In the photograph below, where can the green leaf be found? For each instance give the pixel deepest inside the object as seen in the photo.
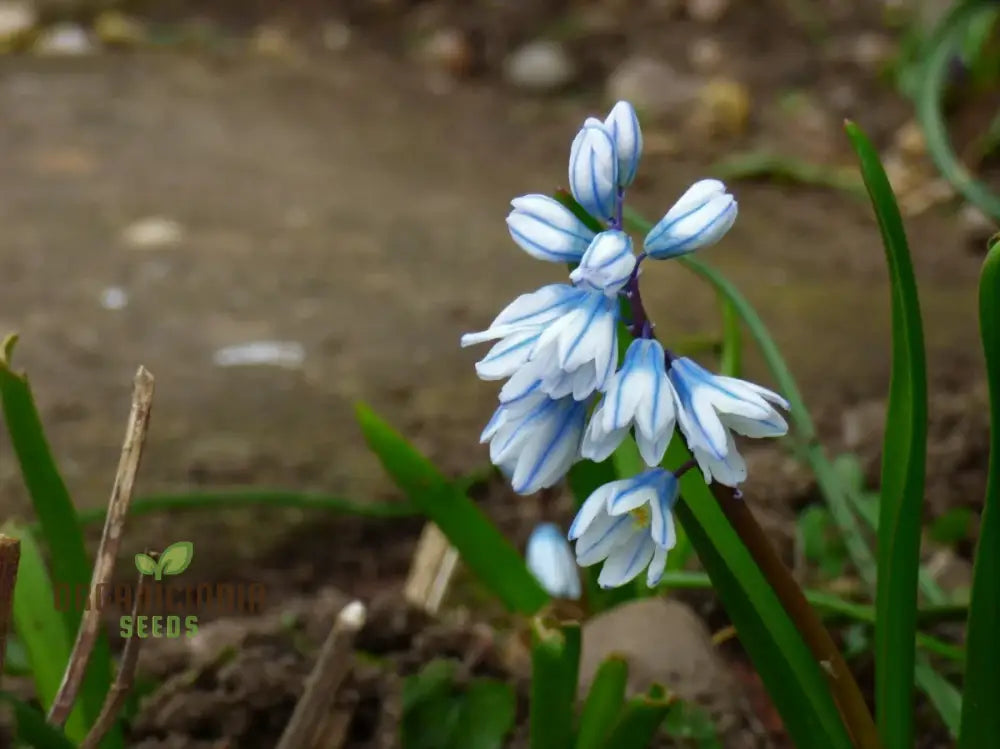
(145, 564)
(640, 720)
(555, 670)
(980, 716)
(41, 628)
(691, 723)
(175, 559)
(791, 675)
(604, 704)
(487, 715)
(952, 526)
(482, 547)
(931, 86)
(431, 710)
(59, 525)
(903, 463)
(32, 728)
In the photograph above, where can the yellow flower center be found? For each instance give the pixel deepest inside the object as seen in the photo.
(640, 516)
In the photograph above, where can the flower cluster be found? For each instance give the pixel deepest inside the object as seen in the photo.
(566, 398)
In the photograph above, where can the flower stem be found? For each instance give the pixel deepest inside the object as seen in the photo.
(639, 325)
(845, 689)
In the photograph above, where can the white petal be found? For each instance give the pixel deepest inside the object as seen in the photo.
(593, 169)
(656, 567)
(701, 217)
(627, 561)
(623, 123)
(523, 382)
(768, 395)
(546, 229)
(653, 449)
(598, 443)
(774, 426)
(607, 264)
(507, 356)
(554, 447)
(604, 535)
(730, 471)
(535, 309)
(630, 493)
(593, 338)
(661, 525)
(550, 559)
(594, 506)
(696, 413)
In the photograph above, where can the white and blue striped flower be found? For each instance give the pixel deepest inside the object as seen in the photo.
(607, 264)
(639, 394)
(712, 407)
(623, 123)
(574, 354)
(519, 326)
(629, 525)
(535, 440)
(699, 218)
(547, 230)
(593, 169)
(550, 559)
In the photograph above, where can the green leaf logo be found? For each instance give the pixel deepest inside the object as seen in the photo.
(173, 561)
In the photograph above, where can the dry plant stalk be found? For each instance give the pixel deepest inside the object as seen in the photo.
(431, 570)
(10, 557)
(107, 552)
(334, 662)
(115, 698)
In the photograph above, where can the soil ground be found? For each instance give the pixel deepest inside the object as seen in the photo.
(343, 201)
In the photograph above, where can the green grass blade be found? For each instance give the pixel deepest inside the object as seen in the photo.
(32, 728)
(57, 518)
(641, 719)
(944, 696)
(933, 80)
(604, 704)
(487, 715)
(42, 629)
(791, 675)
(903, 464)
(555, 671)
(980, 716)
(482, 547)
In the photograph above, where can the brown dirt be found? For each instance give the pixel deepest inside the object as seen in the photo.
(344, 202)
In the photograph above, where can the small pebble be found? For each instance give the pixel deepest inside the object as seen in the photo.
(287, 354)
(65, 39)
(707, 11)
(654, 87)
(16, 20)
(114, 298)
(705, 55)
(448, 50)
(118, 30)
(336, 36)
(723, 108)
(154, 231)
(539, 66)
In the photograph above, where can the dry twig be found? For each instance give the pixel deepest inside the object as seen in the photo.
(10, 556)
(331, 667)
(431, 570)
(115, 698)
(121, 498)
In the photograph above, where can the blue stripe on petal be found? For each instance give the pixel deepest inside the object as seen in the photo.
(574, 412)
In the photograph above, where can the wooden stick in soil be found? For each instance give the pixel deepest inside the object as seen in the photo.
(10, 557)
(331, 667)
(431, 570)
(115, 698)
(107, 552)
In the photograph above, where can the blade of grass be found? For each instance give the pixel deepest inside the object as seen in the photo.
(555, 670)
(32, 728)
(57, 518)
(604, 704)
(980, 717)
(41, 628)
(903, 464)
(641, 719)
(931, 87)
(482, 547)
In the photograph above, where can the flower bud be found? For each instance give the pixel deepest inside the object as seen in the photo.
(593, 169)
(552, 562)
(624, 126)
(547, 230)
(607, 264)
(701, 217)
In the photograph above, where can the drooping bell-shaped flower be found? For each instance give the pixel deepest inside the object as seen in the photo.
(607, 264)
(550, 559)
(593, 169)
(711, 407)
(547, 230)
(699, 218)
(535, 440)
(640, 395)
(623, 123)
(628, 525)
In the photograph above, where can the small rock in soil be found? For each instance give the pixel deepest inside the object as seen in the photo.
(540, 66)
(654, 87)
(705, 55)
(152, 232)
(66, 39)
(16, 20)
(977, 227)
(707, 11)
(722, 109)
(119, 30)
(448, 50)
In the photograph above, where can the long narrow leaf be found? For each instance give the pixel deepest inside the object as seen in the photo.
(640, 720)
(794, 680)
(604, 703)
(903, 464)
(42, 628)
(980, 716)
(60, 526)
(482, 547)
(32, 728)
(555, 670)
